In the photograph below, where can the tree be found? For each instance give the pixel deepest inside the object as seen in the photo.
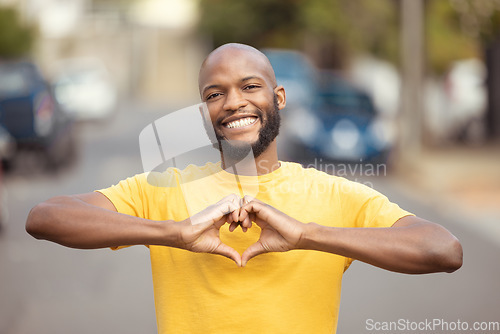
(458, 29)
(329, 30)
(16, 39)
(469, 28)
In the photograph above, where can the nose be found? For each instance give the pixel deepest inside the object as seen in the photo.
(234, 100)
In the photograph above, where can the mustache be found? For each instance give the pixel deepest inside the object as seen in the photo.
(257, 112)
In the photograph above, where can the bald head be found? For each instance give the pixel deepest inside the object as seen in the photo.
(235, 55)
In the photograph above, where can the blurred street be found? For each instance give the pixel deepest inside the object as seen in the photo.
(49, 289)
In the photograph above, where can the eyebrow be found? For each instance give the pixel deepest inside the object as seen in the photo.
(251, 77)
(209, 87)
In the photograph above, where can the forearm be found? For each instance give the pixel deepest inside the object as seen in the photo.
(74, 223)
(417, 248)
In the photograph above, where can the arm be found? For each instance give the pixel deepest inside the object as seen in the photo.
(411, 245)
(91, 221)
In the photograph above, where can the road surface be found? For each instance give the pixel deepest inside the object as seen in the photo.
(49, 289)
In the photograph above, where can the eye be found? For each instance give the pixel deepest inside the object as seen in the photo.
(212, 96)
(251, 86)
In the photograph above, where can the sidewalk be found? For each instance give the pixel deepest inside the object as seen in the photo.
(464, 180)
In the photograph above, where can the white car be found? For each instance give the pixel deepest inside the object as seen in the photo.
(84, 89)
(456, 105)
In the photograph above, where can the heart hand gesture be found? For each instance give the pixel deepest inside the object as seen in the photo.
(280, 232)
(200, 233)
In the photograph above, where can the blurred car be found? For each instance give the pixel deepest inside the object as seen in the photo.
(30, 113)
(456, 104)
(84, 89)
(297, 74)
(7, 146)
(345, 126)
(467, 97)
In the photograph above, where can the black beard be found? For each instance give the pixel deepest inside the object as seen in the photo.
(270, 129)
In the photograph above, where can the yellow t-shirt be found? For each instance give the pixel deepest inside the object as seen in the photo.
(291, 292)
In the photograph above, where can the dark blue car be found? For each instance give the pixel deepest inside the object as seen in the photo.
(297, 74)
(30, 113)
(345, 126)
(326, 117)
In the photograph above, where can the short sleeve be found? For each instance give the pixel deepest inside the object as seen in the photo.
(363, 206)
(128, 195)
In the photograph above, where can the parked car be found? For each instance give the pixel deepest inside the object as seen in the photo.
(84, 89)
(326, 116)
(30, 113)
(297, 74)
(456, 104)
(7, 145)
(344, 126)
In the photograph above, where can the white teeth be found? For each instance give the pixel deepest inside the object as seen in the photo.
(241, 122)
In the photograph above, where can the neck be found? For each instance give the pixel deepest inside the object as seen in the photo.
(266, 163)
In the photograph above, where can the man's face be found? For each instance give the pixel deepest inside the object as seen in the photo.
(242, 102)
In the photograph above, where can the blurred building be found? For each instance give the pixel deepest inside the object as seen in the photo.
(149, 47)
(493, 82)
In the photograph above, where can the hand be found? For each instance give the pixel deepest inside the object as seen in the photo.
(200, 232)
(280, 232)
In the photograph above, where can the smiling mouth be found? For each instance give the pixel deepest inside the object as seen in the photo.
(242, 122)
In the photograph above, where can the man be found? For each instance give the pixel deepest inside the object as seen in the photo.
(305, 231)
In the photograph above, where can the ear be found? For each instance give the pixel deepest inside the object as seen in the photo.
(280, 93)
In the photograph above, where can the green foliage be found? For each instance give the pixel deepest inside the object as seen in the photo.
(445, 39)
(111, 5)
(479, 19)
(16, 39)
(261, 23)
(359, 25)
(338, 26)
(336, 29)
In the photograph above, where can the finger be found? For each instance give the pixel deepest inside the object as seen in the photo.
(228, 252)
(228, 207)
(224, 212)
(245, 217)
(199, 223)
(223, 220)
(213, 214)
(246, 199)
(236, 200)
(252, 251)
(235, 214)
(243, 213)
(259, 213)
(230, 198)
(246, 223)
(233, 226)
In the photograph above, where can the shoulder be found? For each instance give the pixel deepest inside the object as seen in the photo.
(294, 169)
(172, 176)
(312, 175)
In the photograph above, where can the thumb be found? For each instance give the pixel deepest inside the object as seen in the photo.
(229, 252)
(252, 251)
